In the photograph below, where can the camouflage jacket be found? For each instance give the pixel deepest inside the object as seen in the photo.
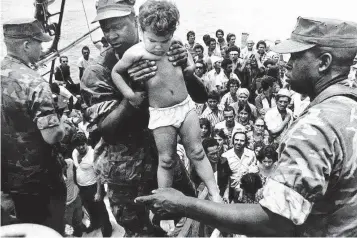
(314, 184)
(27, 108)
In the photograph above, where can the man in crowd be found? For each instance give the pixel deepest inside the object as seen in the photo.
(262, 54)
(215, 74)
(231, 40)
(265, 100)
(227, 66)
(279, 118)
(312, 191)
(122, 126)
(212, 112)
(84, 61)
(30, 126)
(199, 55)
(212, 48)
(229, 124)
(234, 53)
(63, 74)
(191, 36)
(221, 42)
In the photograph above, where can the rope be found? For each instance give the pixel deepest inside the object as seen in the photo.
(85, 13)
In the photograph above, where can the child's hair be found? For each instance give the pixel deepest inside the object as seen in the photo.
(251, 183)
(79, 138)
(162, 17)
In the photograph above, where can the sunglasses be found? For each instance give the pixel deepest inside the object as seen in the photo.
(199, 67)
(64, 61)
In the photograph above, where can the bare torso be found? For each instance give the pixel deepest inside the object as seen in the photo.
(167, 88)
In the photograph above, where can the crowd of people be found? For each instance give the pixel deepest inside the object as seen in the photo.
(214, 112)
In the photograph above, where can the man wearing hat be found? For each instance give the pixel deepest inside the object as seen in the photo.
(30, 127)
(279, 118)
(313, 189)
(126, 152)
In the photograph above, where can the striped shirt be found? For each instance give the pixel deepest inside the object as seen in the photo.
(213, 117)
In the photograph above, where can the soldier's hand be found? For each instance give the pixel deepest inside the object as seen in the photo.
(142, 70)
(178, 54)
(164, 202)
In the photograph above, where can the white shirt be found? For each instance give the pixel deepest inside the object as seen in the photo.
(246, 53)
(299, 105)
(213, 78)
(82, 63)
(85, 170)
(240, 166)
(273, 120)
(229, 133)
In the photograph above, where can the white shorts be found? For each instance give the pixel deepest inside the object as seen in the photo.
(170, 116)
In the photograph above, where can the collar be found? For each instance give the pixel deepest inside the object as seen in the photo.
(18, 60)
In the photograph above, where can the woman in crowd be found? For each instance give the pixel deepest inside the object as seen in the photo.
(231, 96)
(244, 117)
(206, 129)
(259, 133)
(267, 158)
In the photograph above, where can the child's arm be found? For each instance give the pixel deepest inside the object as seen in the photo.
(131, 56)
(120, 68)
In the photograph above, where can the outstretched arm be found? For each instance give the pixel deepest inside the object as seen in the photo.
(248, 219)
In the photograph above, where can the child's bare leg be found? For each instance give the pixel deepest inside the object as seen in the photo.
(166, 143)
(191, 138)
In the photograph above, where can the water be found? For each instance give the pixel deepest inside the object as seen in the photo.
(269, 20)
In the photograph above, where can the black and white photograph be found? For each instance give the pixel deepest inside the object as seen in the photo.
(178, 118)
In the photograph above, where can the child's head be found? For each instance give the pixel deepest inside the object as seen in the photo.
(158, 21)
(251, 183)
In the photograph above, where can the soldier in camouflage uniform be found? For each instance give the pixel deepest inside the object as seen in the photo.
(31, 174)
(126, 153)
(313, 190)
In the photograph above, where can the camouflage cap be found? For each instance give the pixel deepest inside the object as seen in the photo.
(113, 8)
(310, 32)
(22, 28)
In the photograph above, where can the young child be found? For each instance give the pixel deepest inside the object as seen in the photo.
(171, 108)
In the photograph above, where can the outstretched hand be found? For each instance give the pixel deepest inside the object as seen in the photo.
(164, 202)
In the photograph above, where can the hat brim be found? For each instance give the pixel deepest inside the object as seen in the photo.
(43, 38)
(291, 46)
(110, 14)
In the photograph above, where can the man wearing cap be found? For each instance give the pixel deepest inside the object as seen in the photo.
(313, 189)
(30, 127)
(279, 118)
(127, 156)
